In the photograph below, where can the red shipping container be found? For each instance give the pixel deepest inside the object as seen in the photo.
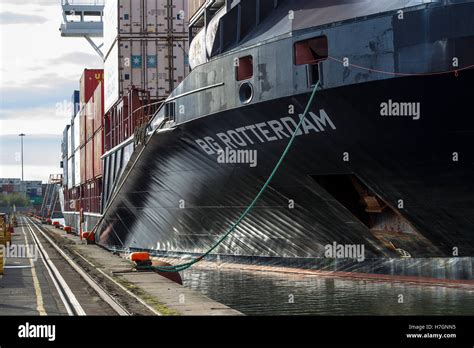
(98, 152)
(89, 81)
(84, 198)
(98, 107)
(90, 159)
(118, 127)
(94, 191)
(83, 163)
(89, 114)
(82, 127)
(7, 188)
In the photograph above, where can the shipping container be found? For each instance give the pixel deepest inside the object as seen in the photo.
(132, 111)
(98, 152)
(89, 162)
(99, 107)
(75, 103)
(77, 167)
(145, 18)
(82, 127)
(90, 199)
(115, 129)
(83, 164)
(65, 172)
(96, 201)
(8, 188)
(89, 109)
(71, 199)
(70, 173)
(65, 143)
(70, 150)
(155, 66)
(89, 81)
(76, 134)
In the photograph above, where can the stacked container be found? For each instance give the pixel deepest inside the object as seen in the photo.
(98, 133)
(64, 154)
(75, 103)
(92, 117)
(146, 44)
(88, 83)
(84, 144)
(69, 177)
(156, 66)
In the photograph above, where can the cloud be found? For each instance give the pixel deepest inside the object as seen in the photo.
(81, 59)
(19, 18)
(33, 81)
(31, 2)
(78, 58)
(58, 111)
(35, 120)
(42, 91)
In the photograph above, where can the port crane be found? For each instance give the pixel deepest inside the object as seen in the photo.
(83, 18)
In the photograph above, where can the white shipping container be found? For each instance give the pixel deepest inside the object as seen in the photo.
(70, 173)
(156, 66)
(77, 168)
(75, 141)
(64, 140)
(154, 18)
(111, 78)
(70, 150)
(110, 24)
(65, 171)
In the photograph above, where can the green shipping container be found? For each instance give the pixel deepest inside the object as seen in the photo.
(36, 200)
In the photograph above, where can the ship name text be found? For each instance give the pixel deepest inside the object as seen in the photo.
(263, 132)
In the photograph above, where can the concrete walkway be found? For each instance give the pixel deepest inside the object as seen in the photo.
(158, 292)
(25, 288)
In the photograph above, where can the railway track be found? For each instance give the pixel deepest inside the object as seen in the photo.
(70, 301)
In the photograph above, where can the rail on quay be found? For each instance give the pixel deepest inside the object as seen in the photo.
(158, 294)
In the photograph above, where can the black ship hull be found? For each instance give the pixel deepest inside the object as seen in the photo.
(383, 161)
(180, 199)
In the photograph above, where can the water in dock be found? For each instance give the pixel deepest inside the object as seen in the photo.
(265, 293)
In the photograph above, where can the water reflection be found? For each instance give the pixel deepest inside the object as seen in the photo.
(262, 293)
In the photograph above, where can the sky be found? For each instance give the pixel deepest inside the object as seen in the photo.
(39, 70)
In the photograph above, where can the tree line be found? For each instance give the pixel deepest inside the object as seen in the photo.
(17, 199)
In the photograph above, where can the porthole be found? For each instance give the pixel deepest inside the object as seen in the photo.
(246, 92)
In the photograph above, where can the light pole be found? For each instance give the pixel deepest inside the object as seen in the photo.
(21, 136)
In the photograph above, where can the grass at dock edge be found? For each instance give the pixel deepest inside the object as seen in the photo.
(158, 306)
